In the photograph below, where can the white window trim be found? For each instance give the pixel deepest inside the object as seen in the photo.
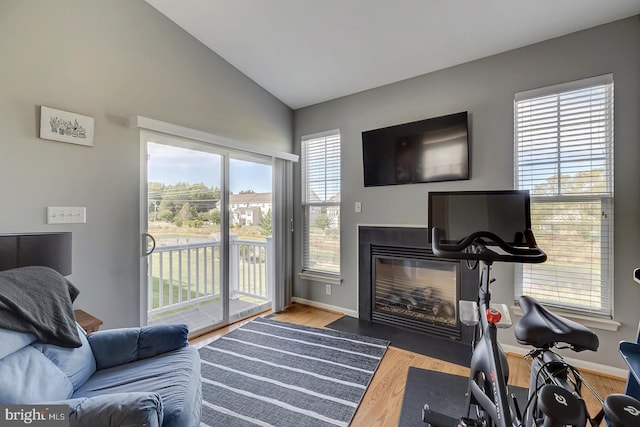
(564, 87)
(332, 278)
(328, 278)
(603, 321)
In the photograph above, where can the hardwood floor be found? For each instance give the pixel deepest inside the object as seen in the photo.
(383, 400)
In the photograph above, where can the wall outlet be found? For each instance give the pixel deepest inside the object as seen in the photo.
(66, 215)
(328, 289)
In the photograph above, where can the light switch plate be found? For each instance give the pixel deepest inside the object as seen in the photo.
(66, 215)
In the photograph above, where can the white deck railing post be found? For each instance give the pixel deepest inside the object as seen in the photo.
(234, 267)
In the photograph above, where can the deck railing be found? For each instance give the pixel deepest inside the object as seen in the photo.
(184, 275)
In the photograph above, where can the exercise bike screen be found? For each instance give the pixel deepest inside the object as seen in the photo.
(459, 214)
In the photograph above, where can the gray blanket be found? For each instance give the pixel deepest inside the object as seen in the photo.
(40, 301)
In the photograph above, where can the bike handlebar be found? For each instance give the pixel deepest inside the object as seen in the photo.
(528, 254)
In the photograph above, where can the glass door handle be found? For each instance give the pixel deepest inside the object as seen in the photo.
(146, 251)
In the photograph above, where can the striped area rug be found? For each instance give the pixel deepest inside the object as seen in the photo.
(270, 373)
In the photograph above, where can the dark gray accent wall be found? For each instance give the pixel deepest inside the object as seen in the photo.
(109, 60)
(485, 88)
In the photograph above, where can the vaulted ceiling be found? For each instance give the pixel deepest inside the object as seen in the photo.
(309, 51)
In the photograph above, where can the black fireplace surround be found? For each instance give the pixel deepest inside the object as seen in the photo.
(411, 242)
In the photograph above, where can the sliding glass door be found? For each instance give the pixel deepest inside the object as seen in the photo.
(184, 260)
(250, 236)
(207, 248)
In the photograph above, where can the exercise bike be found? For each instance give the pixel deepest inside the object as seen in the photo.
(555, 398)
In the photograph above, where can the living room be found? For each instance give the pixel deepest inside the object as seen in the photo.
(117, 59)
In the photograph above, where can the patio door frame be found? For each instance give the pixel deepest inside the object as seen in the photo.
(226, 148)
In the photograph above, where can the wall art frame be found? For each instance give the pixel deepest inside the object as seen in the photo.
(64, 126)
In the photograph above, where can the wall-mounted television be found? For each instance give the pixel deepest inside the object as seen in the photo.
(435, 149)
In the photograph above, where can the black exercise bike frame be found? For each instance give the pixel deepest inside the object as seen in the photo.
(488, 362)
(489, 370)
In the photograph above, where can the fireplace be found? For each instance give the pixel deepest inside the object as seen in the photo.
(413, 288)
(401, 283)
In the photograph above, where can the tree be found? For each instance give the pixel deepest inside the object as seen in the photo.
(266, 224)
(215, 217)
(585, 182)
(165, 215)
(203, 198)
(167, 210)
(323, 221)
(166, 201)
(187, 213)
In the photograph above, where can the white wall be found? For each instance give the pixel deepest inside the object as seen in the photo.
(110, 60)
(485, 88)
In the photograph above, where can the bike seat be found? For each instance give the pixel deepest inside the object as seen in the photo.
(540, 328)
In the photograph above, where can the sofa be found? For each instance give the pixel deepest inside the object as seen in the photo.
(146, 376)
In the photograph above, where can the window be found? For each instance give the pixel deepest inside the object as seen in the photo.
(321, 202)
(564, 157)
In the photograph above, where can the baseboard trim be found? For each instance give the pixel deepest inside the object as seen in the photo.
(582, 364)
(316, 304)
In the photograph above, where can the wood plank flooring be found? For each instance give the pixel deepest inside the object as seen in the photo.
(383, 400)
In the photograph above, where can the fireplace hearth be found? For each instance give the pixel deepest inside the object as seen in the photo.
(401, 283)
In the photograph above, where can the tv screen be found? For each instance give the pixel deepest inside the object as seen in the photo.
(430, 150)
(460, 213)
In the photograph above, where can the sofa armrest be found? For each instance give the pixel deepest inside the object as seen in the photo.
(116, 410)
(159, 339)
(113, 347)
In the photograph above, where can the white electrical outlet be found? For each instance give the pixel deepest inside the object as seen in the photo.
(66, 215)
(328, 289)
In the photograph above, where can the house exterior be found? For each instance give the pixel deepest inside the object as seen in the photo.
(332, 212)
(249, 208)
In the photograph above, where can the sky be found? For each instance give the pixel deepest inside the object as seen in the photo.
(170, 165)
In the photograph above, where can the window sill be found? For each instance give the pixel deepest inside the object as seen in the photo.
(331, 279)
(589, 322)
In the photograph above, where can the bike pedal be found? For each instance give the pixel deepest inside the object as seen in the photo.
(436, 419)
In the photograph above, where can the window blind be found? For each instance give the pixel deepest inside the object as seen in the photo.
(564, 157)
(321, 202)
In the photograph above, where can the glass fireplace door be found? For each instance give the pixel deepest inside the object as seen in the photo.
(416, 292)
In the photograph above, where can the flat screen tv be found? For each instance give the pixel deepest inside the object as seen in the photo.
(459, 213)
(430, 150)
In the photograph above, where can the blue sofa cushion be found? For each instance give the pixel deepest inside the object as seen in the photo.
(117, 409)
(77, 363)
(119, 346)
(175, 376)
(27, 376)
(113, 347)
(13, 341)
(159, 339)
